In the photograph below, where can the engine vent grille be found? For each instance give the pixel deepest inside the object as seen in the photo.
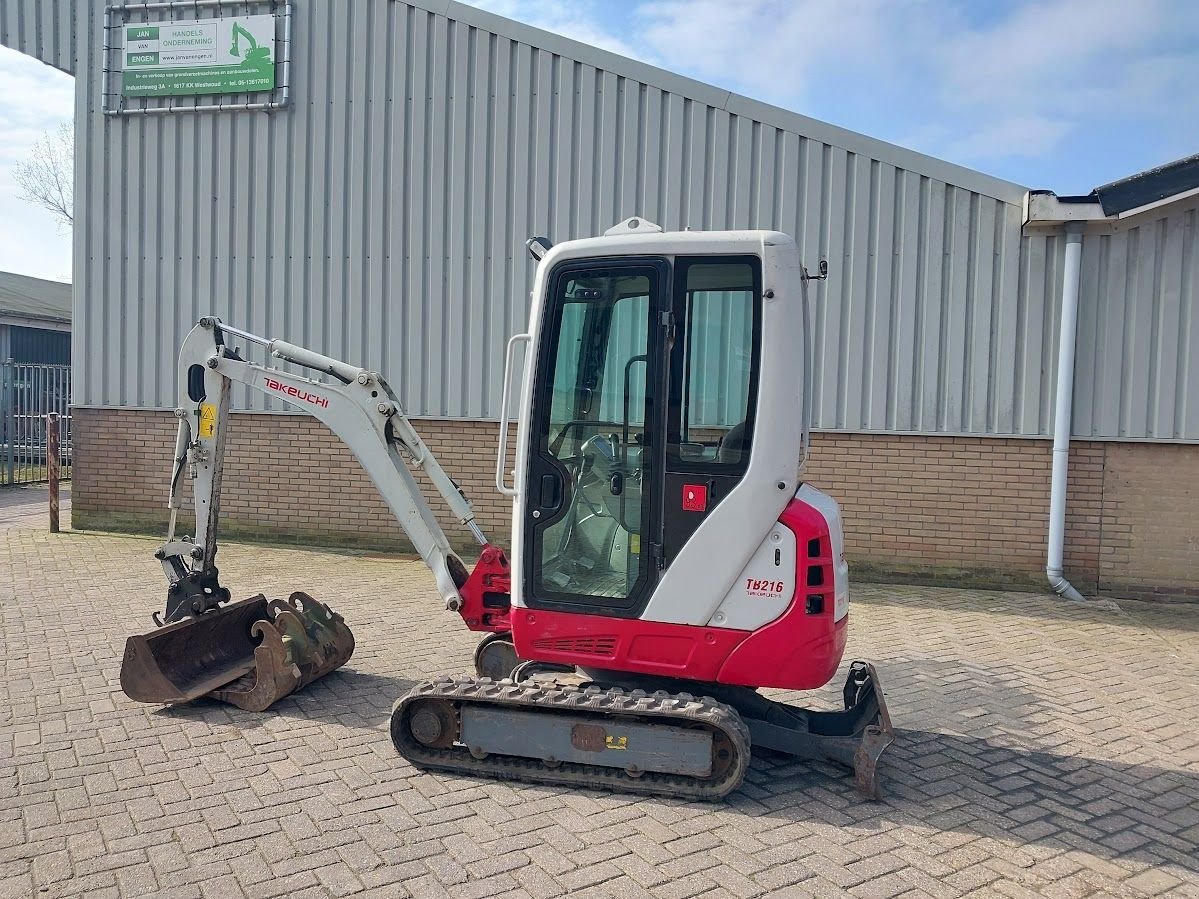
(592, 646)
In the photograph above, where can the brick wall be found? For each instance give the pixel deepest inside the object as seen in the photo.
(939, 509)
(287, 477)
(958, 508)
(1150, 542)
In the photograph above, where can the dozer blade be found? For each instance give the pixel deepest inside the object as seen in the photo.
(864, 700)
(855, 736)
(250, 653)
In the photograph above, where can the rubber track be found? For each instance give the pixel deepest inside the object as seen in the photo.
(609, 704)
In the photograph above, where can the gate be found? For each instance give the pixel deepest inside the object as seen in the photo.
(27, 394)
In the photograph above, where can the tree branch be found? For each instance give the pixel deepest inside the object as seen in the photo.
(47, 178)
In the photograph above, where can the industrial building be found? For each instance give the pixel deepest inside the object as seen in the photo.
(35, 374)
(374, 204)
(35, 320)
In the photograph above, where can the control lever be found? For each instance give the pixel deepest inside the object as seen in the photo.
(616, 483)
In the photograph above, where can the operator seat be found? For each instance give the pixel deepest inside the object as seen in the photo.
(733, 445)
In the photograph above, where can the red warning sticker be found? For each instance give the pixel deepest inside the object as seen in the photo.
(695, 498)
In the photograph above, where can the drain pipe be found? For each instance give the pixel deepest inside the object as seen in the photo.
(1061, 418)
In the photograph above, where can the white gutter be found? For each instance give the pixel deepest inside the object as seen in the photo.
(1062, 418)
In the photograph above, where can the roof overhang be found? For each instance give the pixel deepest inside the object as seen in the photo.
(1045, 209)
(1113, 203)
(33, 321)
(1147, 190)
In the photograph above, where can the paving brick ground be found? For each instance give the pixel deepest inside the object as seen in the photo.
(1044, 749)
(28, 507)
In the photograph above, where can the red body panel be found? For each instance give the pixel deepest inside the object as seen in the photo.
(623, 644)
(774, 657)
(799, 650)
(487, 592)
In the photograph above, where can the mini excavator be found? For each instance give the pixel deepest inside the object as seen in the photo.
(668, 559)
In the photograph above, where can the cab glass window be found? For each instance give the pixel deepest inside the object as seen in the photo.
(713, 362)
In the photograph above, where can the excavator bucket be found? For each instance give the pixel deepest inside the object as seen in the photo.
(250, 653)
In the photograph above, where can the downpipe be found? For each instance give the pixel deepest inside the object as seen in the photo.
(1062, 419)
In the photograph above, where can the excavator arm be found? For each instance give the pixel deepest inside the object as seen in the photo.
(358, 406)
(253, 652)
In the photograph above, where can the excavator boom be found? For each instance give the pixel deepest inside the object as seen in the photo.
(253, 652)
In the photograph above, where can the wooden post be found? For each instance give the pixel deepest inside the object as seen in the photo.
(52, 459)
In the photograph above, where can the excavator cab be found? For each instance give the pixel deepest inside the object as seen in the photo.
(667, 551)
(642, 392)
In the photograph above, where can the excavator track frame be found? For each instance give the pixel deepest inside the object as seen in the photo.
(573, 707)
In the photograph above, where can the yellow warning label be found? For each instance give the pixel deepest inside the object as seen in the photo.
(635, 544)
(207, 419)
(616, 742)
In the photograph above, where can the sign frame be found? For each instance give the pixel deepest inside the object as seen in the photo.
(152, 15)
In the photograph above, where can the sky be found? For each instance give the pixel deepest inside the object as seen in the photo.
(1062, 95)
(34, 99)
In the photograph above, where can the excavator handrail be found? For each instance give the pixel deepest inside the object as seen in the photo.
(505, 400)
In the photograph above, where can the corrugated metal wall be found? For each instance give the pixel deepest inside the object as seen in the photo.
(37, 345)
(381, 219)
(1137, 368)
(44, 29)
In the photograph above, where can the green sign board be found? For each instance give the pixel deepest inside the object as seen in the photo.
(208, 56)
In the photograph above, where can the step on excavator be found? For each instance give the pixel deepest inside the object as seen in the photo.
(669, 561)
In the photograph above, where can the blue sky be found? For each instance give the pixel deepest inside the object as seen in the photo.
(1057, 94)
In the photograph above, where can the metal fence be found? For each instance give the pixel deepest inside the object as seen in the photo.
(27, 394)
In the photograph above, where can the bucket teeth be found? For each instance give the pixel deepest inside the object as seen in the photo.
(249, 654)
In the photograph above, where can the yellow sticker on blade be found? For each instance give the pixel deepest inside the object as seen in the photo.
(207, 419)
(635, 544)
(616, 742)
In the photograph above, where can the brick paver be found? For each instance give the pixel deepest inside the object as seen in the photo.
(29, 507)
(1044, 749)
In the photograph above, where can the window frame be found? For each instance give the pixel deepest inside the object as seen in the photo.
(677, 373)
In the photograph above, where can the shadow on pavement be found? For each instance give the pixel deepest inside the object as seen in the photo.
(28, 506)
(346, 697)
(1177, 615)
(952, 786)
(1023, 797)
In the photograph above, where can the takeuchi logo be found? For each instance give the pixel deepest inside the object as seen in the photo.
(302, 395)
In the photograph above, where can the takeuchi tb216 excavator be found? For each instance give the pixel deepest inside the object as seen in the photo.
(668, 558)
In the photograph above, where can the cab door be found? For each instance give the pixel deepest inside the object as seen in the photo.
(593, 520)
(714, 358)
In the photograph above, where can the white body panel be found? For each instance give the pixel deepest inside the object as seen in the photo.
(766, 586)
(710, 564)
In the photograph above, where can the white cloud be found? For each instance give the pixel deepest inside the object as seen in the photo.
(34, 99)
(570, 18)
(988, 85)
(1030, 136)
(778, 50)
